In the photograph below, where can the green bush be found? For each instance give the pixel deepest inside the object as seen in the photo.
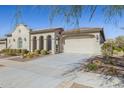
(6, 50)
(14, 52)
(11, 52)
(18, 51)
(3, 50)
(30, 55)
(108, 47)
(118, 49)
(37, 52)
(24, 51)
(24, 55)
(92, 67)
(44, 52)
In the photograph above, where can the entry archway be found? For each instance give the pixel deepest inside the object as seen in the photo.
(20, 42)
(34, 43)
(49, 43)
(41, 42)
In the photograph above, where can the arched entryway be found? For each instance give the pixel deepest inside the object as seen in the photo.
(41, 43)
(19, 42)
(34, 43)
(49, 43)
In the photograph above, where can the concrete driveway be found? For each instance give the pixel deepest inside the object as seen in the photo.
(47, 71)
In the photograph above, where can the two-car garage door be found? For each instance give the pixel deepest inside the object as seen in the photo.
(80, 45)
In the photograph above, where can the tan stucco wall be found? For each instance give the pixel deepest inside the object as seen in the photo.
(84, 45)
(9, 42)
(24, 34)
(2, 46)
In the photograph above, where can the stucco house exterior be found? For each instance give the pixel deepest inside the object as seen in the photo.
(83, 40)
(55, 40)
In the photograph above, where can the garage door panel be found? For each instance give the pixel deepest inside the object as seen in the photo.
(79, 45)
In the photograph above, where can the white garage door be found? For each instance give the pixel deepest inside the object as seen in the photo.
(80, 45)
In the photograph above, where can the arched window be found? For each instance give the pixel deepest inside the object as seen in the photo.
(49, 42)
(20, 42)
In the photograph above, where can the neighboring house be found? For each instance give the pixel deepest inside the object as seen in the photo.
(3, 43)
(55, 40)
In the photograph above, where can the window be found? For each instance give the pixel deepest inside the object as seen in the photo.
(19, 31)
(9, 41)
(25, 39)
(14, 40)
(20, 42)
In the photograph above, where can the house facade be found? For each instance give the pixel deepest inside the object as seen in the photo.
(55, 40)
(83, 40)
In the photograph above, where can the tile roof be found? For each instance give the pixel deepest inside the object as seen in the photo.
(46, 30)
(2, 39)
(82, 31)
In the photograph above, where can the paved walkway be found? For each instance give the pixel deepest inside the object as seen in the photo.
(43, 72)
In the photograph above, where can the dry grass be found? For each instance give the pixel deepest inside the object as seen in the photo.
(76, 85)
(70, 84)
(104, 68)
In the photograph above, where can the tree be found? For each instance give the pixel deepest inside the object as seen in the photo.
(119, 43)
(75, 12)
(71, 14)
(107, 48)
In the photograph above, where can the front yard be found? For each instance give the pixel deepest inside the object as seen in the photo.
(22, 55)
(57, 70)
(99, 64)
(110, 63)
(106, 70)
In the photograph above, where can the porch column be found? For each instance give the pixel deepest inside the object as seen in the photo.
(53, 45)
(45, 43)
(37, 43)
(31, 44)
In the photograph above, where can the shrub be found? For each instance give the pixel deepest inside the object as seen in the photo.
(24, 56)
(108, 47)
(97, 62)
(14, 51)
(3, 50)
(44, 52)
(37, 52)
(92, 67)
(18, 51)
(111, 71)
(120, 42)
(11, 52)
(24, 51)
(30, 55)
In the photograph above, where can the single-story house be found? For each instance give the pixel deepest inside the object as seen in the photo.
(55, 40)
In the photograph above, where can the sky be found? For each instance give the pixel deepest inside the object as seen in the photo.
(38, 18)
